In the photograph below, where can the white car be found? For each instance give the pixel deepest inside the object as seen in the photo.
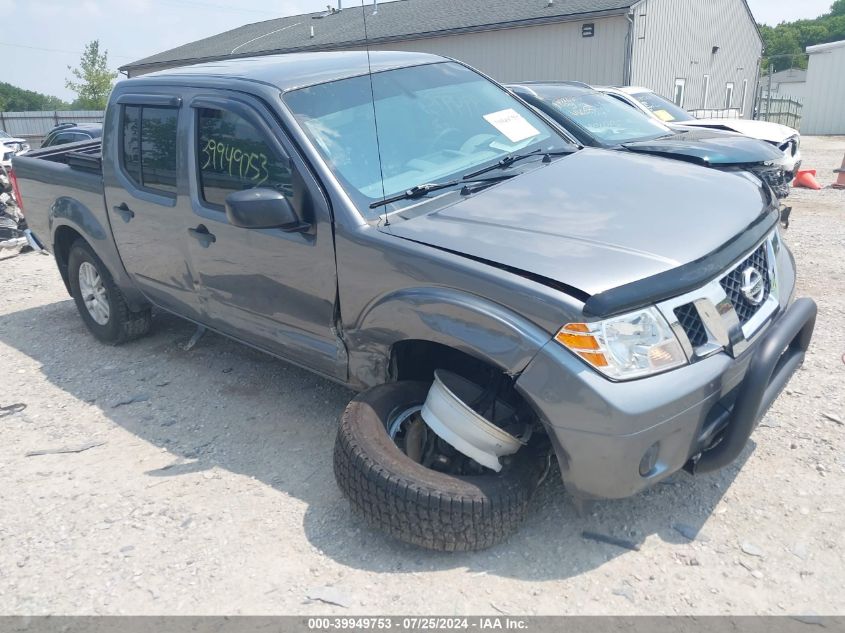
(784, 138)
(11, 146)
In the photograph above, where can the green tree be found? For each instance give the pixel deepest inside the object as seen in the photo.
(14, 99)
(94, 79)
(785, 43)
(783, 50)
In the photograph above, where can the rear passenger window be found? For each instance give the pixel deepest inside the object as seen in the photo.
(149, 147)
(233, 155)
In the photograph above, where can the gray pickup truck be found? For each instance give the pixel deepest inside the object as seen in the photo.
(407, 227)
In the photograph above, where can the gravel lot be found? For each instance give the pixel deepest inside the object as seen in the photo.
(210, 488)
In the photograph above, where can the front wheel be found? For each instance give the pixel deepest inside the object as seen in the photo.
(378, 468)
(99, 301)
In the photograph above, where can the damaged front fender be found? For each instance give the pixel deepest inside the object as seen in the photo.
(456, 319)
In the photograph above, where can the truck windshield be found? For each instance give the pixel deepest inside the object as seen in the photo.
(609, 121)
(435, 122)
(663, 109)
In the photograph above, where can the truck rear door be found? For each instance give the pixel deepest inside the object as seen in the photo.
(146, 195)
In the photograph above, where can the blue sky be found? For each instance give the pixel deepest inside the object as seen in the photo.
(41, 38)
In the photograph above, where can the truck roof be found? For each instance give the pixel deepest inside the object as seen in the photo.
(296, 70)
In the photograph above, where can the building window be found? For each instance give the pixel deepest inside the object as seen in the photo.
(729, 95)
(680, 92)
(588, 30)
(744, 96)
(706, 91)
(149, 147)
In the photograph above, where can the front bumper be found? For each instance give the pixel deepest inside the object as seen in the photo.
(613, 439)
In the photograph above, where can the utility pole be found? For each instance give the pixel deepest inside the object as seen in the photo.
(769, 102)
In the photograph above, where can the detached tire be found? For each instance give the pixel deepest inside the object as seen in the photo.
(418, 505)
(99, 301)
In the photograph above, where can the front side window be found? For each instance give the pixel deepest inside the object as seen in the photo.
(233, 155)
(604, 118)
(149, 146)
(434, 122)
(662, 108)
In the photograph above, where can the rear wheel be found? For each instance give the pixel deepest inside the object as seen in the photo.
(403, 480)
(99, 301)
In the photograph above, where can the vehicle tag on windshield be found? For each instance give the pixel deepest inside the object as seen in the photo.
(512, 124)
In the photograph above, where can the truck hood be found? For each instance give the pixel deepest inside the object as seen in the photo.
(595, 220)
(763, 130)
(708, 147)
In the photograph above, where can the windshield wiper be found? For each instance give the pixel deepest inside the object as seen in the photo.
(419, 191)
(507, 161)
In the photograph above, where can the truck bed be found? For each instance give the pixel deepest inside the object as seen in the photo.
(64, 181)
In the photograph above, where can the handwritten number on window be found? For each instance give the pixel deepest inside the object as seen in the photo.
(246, 165)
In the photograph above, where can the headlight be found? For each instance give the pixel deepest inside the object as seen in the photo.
(625, 347)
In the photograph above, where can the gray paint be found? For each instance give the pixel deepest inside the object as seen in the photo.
(361, 287)
(579, 234)
(674, 39)
(825, 90)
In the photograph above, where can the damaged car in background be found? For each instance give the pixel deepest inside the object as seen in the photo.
(786, 139)
(598, 120)
(468, 269)
(11, 146)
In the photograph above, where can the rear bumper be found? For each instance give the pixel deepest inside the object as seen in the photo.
(615, 439)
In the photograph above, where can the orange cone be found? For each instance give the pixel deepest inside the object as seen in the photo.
(806, 178)
(840, 181)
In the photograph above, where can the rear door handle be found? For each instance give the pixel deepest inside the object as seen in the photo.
(125, 212)
(201, 235)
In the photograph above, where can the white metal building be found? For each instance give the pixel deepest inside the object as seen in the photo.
(703, 53)
(824, 103)
(788, 83)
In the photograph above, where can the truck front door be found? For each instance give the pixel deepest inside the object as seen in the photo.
(148, 208)
(270, 287)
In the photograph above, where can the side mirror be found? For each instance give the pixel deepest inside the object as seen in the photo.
(262, 209)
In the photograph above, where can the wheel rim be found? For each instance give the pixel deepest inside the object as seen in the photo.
(94, 293)
(411, 435)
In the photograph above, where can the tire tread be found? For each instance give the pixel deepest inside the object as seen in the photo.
(414, 511)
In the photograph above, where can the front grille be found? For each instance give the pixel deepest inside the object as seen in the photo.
(691, 321)
(732, 284)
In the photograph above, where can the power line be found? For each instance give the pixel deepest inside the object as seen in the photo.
(55, 50)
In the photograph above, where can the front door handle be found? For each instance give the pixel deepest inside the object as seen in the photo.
(201, 235)
(125, 212)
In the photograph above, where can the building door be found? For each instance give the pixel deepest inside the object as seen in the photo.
(680, 92)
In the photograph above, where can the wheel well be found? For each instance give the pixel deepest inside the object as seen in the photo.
(62, 241)
(417, 360)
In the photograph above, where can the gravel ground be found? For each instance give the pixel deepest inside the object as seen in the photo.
(206, 485)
